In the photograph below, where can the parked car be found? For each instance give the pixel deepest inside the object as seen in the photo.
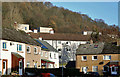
(30, 74)
(47, 75)
(96, 74)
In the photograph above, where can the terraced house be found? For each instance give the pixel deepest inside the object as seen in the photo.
(61, 41)
(13, 49)
(19, 51)
(103, 58)
(53, 55)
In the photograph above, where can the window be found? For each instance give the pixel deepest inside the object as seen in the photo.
(41, 53)
(54, 56)
(59, 49)
(45, 54)
(94, 57)
(67, 49)
(25, 28)
(107, 57)
(28, 49)
(4, 45)
(35, 65)
(19, 47)
(114, 69)
(66, 42)
(94, 68)
(60, 57)
(28, 64)
(50, 56)
(59, 42)
(35, 50)
(84, 58)
(105, 68)
(84, 69)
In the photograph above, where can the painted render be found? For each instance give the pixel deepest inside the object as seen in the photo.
(6, 54)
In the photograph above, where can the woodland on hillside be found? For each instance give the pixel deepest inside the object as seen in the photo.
(38, 14)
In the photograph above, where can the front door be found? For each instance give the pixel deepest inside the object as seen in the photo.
(4, 67)
(84, 69)
(20, 67)
(114, 70)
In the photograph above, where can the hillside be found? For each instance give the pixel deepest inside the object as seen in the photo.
(45, 14)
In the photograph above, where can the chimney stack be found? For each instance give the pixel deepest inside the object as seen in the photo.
(40, 38)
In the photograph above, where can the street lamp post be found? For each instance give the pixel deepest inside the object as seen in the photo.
(64, 45)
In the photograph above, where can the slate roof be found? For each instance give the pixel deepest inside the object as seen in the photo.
(46, 45)
(111, 49)
(98, 48)
(18, 36)
(61, 36)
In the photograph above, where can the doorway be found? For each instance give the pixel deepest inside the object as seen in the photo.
(4, 67)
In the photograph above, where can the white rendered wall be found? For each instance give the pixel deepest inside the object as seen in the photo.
(0, 57)
(56, 45)
(56, 60)
(22, 27)
(45, 30)
(12, 48)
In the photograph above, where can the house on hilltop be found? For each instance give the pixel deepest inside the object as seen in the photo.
(23, 27)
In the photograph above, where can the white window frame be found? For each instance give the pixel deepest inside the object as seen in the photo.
(41, 53)
(54, 56)
(36, 50)
(84, 59)
(5, 46)
(104, 57)
(95, 68)
(25, 28)
(18, 45)
(35, 65)
(29, 49)
(28, 64)
(46, 54)
(59, 42)
(94, 56)
(51, 55)
(104, 68)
